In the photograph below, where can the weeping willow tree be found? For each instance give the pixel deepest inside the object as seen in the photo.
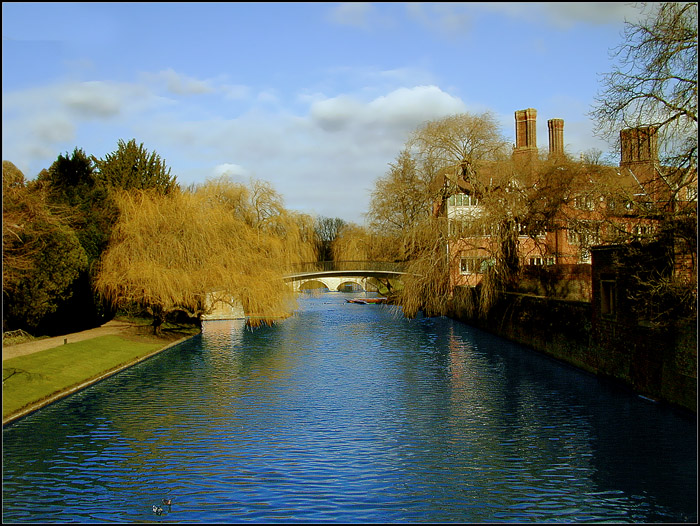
(426, 284)
(511, 203)
(362, 243)
(180, 251)
(453, 154)
(401, 197)
(352, 243)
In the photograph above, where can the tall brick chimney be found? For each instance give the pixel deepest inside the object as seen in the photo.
(639, 153)
(526, 129)
(525, 135)
(556, 137)
(638, 145)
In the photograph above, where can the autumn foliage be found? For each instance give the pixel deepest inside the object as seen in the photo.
(219, 240)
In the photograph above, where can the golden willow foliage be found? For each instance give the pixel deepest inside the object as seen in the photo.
(466, 154)
(426, 285)
(401, 197)
(16, 207)
(353, 243)
(359, 243)
(168, 252)
(448, 152)
(460, 142)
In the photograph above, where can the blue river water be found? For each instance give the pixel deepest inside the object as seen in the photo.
(351, 413)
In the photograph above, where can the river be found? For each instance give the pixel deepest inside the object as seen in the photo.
(351, 413)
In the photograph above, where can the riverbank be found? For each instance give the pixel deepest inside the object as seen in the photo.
(40, 372)
(658, 364)
(330, 415)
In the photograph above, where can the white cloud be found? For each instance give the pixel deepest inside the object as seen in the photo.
(235, 171)
(448, 19)
(368, 81)
(566, 14)
(39, 123)
(336, 113)
(457, 18)
(323, 159)
(354, 14)
(267, 97)
(409, 107)
(52, 128)
(404, 108)
(235, 91)
(180, 84)
(93, 99)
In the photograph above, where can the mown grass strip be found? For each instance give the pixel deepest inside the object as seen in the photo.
(35, 377)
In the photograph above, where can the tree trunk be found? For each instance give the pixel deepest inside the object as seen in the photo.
(158, 320)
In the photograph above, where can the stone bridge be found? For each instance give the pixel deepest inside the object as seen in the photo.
(343, 275)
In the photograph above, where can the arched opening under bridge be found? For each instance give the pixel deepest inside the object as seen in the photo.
(337, 284)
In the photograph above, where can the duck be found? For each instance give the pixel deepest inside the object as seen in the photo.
(157, 510)
(167, 502)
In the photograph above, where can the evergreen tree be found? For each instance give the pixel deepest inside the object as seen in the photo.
(131, 166)
(42, 256)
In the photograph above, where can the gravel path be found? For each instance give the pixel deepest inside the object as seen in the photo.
(21, 349)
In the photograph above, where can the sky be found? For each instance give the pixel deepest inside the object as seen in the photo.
(315, 98)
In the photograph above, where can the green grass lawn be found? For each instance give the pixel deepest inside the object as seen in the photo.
(34, 377)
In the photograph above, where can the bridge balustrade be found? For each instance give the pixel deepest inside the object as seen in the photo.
(339, 266)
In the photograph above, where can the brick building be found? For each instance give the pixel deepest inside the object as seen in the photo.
(598, 205)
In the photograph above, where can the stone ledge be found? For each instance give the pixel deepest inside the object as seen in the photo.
(31, 408)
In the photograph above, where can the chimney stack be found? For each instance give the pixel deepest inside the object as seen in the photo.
(526, 129)
(639, 145)
(556, 137)
(525, 136)
(639, 153)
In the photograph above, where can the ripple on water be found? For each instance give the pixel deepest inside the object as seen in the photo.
(349, 413)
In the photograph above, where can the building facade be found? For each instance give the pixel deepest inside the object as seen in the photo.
(559, 208)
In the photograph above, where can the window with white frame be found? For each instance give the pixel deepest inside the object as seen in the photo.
(583, 233)
(457, 227)
(525, 230)
(463, 200)
(642, 230)
(539, 260)
(583, 202)
(464, 226)
(472, 265)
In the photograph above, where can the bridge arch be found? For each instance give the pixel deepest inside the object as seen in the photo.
(336, 283)
(351, 286)
(312, 284)
(333, 274)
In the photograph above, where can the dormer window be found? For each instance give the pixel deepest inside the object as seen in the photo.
(463, 200)
(583, 202)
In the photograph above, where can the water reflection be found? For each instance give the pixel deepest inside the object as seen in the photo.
(350, 413)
